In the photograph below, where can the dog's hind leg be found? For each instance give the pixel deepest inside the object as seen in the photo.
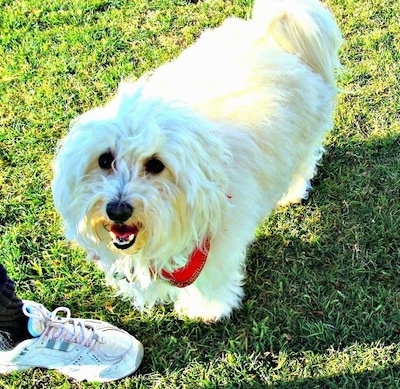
(301, 183)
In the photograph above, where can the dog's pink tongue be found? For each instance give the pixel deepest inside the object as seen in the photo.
(123, 231)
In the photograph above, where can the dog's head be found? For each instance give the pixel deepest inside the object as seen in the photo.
(140, 175)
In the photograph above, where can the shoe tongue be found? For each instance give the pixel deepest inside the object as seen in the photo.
(35, 326)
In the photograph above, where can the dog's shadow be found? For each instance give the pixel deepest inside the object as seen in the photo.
(322, 278)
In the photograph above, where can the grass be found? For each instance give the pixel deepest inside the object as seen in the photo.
(322, 305)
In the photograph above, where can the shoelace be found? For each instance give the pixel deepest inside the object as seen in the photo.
(61, 327)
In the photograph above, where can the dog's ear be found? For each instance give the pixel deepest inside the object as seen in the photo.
(199, 159)
(74, 155)
(67, 168)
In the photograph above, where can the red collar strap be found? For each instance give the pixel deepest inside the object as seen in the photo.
(186, 275)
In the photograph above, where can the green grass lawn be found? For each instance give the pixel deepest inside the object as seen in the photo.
(322, 304)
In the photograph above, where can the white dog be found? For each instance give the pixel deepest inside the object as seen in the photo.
(165, 184)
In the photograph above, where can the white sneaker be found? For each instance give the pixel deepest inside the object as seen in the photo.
(83, 349)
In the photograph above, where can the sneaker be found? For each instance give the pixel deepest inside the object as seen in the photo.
(90, 350)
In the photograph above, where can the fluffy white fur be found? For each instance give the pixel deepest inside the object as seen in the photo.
(238, 120)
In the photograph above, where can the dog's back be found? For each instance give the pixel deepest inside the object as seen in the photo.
(273, 75)
(229, 60)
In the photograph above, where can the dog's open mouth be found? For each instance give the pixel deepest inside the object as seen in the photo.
(123, 236)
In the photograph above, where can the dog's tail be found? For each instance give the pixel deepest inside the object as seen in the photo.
(305, 28)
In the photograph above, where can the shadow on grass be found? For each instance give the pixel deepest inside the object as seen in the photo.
(322, 304)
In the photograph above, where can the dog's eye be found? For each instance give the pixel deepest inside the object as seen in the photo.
(106, 160)
(154, 166)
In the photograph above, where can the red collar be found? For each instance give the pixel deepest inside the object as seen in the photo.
(186, 275)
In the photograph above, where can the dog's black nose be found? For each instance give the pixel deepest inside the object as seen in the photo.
(119, 211)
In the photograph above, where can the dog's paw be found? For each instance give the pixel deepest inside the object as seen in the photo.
(201, 309)
(206, 315)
